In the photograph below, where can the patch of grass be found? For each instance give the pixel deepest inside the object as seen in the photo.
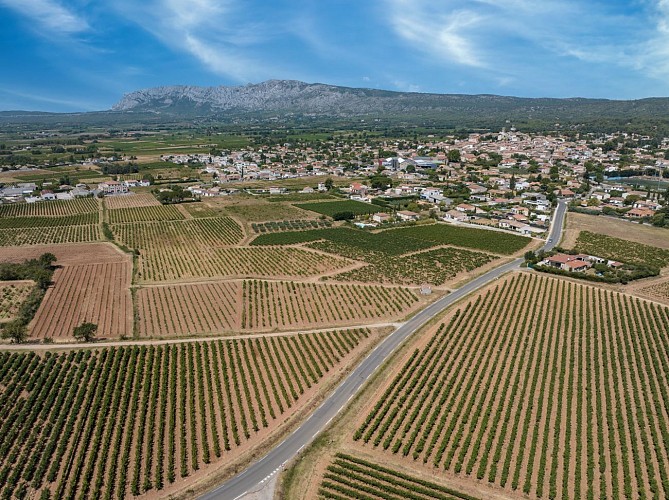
(330, 208)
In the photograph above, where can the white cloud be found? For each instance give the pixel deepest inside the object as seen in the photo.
(49, 15)
(216, 33)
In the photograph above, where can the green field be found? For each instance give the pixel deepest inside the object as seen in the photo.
(621, 250)
(330, 208)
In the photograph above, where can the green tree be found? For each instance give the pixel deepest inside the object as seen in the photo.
(85, 331)
(454, 155)
(15, 331)
(329, 184)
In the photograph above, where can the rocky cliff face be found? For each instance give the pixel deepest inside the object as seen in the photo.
(284, 96)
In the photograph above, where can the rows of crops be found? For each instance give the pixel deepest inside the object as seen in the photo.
(141, 214)
(132, 200)
(435, 267)
(330, 208)
(621, 250)
(189, 309)
(56, 208)
(370, 246)
(66, 220)
(187, 233)
(272, 304)
(49, 235)
(12, 295)
(98, 293)
(289, 225)
(184, 262)
(349, 477)
(122, 421)
(539, 385)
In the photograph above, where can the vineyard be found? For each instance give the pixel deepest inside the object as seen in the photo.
(131, 201)
(190, 261)
(540, 386)
(189, 309)
(435, 267)
(621, 250)
(141, 214)
(356, 243)
(98, 293)
(271, 304)
(289, 225)
(658, 291)
(66, 220)
(12, 295)
(57, 208)
(119, 422)
(330, 208)
(195, 232)
(49, 235)
(349, 477)
(265, 305)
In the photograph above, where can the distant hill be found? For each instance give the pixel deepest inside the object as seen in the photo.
(290, 101)
(290, 96)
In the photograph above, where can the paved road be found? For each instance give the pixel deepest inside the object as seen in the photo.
(261, 470)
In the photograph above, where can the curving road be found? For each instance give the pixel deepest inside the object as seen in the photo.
(267, 466)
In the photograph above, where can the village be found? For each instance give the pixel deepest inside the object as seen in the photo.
(507, 181)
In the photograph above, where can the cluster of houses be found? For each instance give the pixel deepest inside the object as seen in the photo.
(577, 263)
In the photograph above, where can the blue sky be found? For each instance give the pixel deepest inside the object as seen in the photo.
(80, 55)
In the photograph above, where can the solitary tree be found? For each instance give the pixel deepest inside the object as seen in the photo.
(85, 331)
(15, 331)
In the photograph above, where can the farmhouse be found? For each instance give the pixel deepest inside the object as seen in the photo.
(112, 187)
(381, 217)
(572, 263)
(407, 215)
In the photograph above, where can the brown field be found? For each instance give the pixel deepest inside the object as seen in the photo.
(266, 305)
(131, 201)
(258, 210)
(98, 293)
(158, 420)
(617, 228)
(534, 388)
(66, 254)
(12, 295)
(657, 289)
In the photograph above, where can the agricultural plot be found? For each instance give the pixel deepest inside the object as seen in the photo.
(67, 220)
(349, 477)
(49, 235)
(657, 291)
(189, 309)
(185, 261)
(66, 254)
(275, 304)
(289, 225)
(12, 296)
(185, 233)
(119, 422)
(467, 237)
(204, 210)
(142, 214)
(263, 211)
(131, 201)
(98, 293)
(56, 208)
(435, 267)
(330, 208)
(540, 386)
(621, 250)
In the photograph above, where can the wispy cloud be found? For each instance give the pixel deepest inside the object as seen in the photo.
(214, 32)
(33, 99)
(49, 15)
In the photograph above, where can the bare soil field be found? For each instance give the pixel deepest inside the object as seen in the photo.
(617, 228)
(135, 200)
(157, 420)
(97, 293)
(534, 388)
(67, 254)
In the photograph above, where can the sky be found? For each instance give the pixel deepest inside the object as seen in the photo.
(83, 55)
